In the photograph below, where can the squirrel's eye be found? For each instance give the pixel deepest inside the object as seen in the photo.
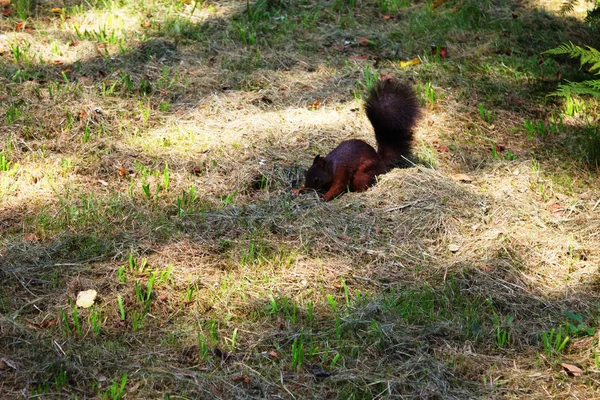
(317, 180)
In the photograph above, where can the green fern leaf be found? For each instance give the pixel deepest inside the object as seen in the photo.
(567, 7)
(590, 88)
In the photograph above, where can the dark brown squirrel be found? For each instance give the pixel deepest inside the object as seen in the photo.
(393, 109)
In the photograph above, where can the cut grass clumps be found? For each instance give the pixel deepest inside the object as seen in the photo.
(152, 151)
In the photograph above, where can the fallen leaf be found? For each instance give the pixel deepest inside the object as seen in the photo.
(57, 10)
(31, 237)
(58, 62)
(9, 363)
(86, 298)
(19, 26)
(488, 268)
(443, 149)
(386, 17)
(75, 43)
(67, 71)
(461, 177)
(554, 78)
(556, 209)
(439, 51)
(47, 323)
(453, 247)
(273, 354)
(514, 15)
(499, 147)
(414, 61)
(364, 41)
(6, 12)
(437, 3)
(315, 105)
(572, 369)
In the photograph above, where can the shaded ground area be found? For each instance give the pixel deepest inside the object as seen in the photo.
(149, 151)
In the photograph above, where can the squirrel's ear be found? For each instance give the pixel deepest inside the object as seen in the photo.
(319, 160)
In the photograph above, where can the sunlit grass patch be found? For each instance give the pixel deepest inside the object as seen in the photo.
(150, 152)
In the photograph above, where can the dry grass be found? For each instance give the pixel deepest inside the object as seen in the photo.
(403, 291)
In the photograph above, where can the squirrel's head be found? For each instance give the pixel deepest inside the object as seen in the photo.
(318, 176)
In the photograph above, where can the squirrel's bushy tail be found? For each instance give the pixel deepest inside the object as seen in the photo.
(393, 109)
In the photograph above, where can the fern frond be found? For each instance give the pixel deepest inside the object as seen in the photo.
(566, 48)
(586, 56)
(567, 7)
(591, 88)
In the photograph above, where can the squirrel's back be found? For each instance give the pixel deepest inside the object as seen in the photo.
(393, 108)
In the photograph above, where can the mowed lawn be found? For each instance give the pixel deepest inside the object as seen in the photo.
(150, 152)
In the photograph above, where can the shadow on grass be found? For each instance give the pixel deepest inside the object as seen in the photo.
(394, 311)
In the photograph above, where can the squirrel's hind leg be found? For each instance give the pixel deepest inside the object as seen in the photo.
(364, 177)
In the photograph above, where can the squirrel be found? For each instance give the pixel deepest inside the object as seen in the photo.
(392, 108)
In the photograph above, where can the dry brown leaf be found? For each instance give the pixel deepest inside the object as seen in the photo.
(364, 41)
(315, 105)
(554, 78)
(30, 237)
(461, 177)
(19, 26)
(47, 323)
(572, 369)
(57, 10)
(556, 209)
(437, 3)
(6, 362)
(273, 354)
